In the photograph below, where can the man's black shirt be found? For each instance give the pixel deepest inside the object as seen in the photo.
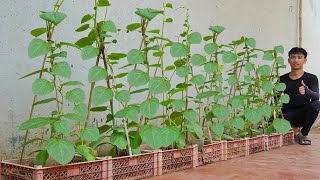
(292, 89)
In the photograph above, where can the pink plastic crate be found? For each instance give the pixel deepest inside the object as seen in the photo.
(12, 170)
(236, 148)
(133, 167)
(257, 144)
(177, 159)
(211, 153)
(288, 139)
(273, 141)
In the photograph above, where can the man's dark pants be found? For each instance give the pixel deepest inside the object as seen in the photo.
(303, 117)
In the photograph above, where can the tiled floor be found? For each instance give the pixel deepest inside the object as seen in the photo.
(291, 162)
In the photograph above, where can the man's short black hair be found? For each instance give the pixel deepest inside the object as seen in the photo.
(298, 50)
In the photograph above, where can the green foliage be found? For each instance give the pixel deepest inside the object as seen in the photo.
(38, 47)
(178, 50)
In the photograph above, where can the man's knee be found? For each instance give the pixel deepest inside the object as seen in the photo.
(315, 106)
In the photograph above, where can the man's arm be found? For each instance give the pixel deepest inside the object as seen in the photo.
(313, 90)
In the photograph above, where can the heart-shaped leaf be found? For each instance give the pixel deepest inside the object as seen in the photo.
(252, 115)
(222, 112)
(280, 87)
(195, 129)
(268, 56)
(62, 127)
(191, 115)
(211, 48)
(198, 79)
(210, 67)
(217, 29)
(62, 69)
(109, 26)
(101, 95)
(229, 57)
(178, 50)
(237, 123)
(159, 85)
(251, 42)
(267, 86)
(151, 135)
(90, 133)
(194, 38)
(137, 78)
(89, 52)
(281, 125)
(136, 56)
(217, 129)
(264, 70)
(149, 107)
(76, 95)
(123, 96)
(178, 104)
(198, 60)
(118, 139)
(60, 150)
(97, 73)
(148, 13)
(53, 17)
(182, 71)
(38, 47)
(81, 109)
(42, 87)
(169, 135)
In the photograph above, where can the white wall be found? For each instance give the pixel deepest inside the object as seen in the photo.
(271, 23)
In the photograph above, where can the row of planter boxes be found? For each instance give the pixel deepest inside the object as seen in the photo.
(148, 164)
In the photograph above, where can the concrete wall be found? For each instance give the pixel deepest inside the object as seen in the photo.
(271, 23)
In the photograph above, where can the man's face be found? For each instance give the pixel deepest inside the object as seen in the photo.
(297, 61)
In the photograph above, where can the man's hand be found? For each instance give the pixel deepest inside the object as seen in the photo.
(302, 88)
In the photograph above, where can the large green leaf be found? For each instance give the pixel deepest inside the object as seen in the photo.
(136, 57)
(84, 151)
(169, 135)
(118, 139)
(236, 102)
(194, 38)
(101, 95)
(249, 66)
(60, 150)
(178, 50)
(76, 95)
(237, 123)
(42, 87)
(81, 109)
(131, 113)
(149, 107)
(268, 56)
(229, 57)
(217, 29)
(253, 115)
(109, 26)
(264, 70)
(210, 67)
(151, 135)
(198, 79)
(62, 127)
(217, 129)
(281, 125)
(195, 129)
(265, 110)
(89, 52)
(135, 139)
(251, 42)
(181, 141)
(148, 13)
(36, 123)
(279, 60)
(123, 96)
(90, 133)
(53, 17)
(97, 73)
(42, 157)
(267, 86)
(159, 85)
(38, 47)
(222, 112)
(232, 80)
(211, 48)
(178, 104)
(284, 98)
(198, 60)
(137, 78)
(191, 115)
(62, 69)
(280, 87)
(182, 71)
(279, 49)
